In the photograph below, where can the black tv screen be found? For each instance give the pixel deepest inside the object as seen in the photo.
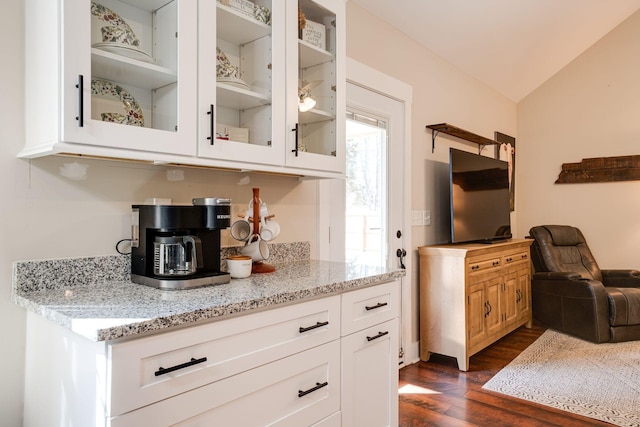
(479, 198)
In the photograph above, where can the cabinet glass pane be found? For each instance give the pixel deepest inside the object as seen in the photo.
(316, 79)
(244, 84)
(134, 69)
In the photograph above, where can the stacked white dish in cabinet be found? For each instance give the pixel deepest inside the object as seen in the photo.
(164, 55)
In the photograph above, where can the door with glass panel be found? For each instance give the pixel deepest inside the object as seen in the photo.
(374, 185)
(130, 74)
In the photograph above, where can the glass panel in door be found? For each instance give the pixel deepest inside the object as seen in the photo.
(134, 63)
(366, 188)
(244, 73)
(316, 79)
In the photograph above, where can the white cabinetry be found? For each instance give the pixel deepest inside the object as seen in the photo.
(326, 362)
(370, 356)
(316, 137)
(162, 97)
(111, 99)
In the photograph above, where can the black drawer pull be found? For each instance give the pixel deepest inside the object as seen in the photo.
(317, 325)
(162, 371)
(312, 389)
(375, 337)
(378, 305)
(475, 267)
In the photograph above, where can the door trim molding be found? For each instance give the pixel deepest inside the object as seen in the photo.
(363, 75)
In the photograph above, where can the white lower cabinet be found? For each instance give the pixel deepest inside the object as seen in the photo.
(295, 391)
(325, 363)
(370, 356)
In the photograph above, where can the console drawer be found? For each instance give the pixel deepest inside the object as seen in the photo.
(369, 306)
(147, 370)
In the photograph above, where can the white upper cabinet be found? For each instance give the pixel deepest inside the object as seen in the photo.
(121, 76)
(242, 81)
(316, 85)
(192, 82)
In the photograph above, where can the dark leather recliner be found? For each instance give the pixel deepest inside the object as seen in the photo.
(571, 294)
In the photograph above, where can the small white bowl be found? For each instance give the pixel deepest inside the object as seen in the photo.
(239, 266)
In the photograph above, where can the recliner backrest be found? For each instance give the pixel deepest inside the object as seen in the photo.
(562, 248)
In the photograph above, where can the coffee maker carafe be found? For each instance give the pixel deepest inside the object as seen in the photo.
(178, 247)
(176, 255)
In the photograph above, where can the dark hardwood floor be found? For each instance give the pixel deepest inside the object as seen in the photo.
(456, 398)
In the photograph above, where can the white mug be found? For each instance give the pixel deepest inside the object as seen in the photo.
(258, 250)
(269, 229)
(241, 230)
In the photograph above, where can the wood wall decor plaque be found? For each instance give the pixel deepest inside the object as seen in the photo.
(601, 169)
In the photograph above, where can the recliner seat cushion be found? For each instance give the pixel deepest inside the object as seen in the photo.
(624, 306)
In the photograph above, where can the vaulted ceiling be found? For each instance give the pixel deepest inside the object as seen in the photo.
(511, 45)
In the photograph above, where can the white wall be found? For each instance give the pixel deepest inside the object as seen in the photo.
(591, 108)
(441, 93)
(44, 215)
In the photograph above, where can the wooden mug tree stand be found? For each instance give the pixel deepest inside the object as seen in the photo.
(258, 267)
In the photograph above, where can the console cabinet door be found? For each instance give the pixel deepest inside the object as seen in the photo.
(523, 294)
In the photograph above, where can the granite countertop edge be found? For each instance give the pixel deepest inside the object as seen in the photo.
(61, 306)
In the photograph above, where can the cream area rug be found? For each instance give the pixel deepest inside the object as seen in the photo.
(600, 381)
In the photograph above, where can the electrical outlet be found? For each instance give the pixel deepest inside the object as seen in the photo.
(426, 217)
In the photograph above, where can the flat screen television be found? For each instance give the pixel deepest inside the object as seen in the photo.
(479, 198)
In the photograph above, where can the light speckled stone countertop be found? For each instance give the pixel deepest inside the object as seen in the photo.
(112, 309)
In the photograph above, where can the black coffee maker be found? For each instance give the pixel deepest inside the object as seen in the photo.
(178, 247)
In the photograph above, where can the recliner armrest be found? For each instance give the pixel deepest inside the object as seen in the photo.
(556, 275)
(621, 273)
(621, 278)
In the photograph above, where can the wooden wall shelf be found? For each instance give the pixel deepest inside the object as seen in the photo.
(458, 133)
(601, 169)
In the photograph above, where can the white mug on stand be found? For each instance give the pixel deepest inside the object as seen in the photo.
(258, 250)
(241, 230)
(269, 229)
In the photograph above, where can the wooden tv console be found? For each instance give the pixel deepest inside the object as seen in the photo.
(471, 295)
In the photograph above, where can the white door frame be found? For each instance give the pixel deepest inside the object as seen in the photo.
(376, 81)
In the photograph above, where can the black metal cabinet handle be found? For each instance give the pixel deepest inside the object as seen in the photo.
(211, 138)
(312, 389)
(317, 325)
(380, 335)
(162, 371)
(80, 87)
(373, 307)
(295, 150)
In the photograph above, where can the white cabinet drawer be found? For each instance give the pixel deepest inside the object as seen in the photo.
(146, 370)
(369, 306)
(296, 391)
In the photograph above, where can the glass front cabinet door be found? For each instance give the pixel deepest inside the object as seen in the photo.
(126, 75)
(316, 85)
(242, 81)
